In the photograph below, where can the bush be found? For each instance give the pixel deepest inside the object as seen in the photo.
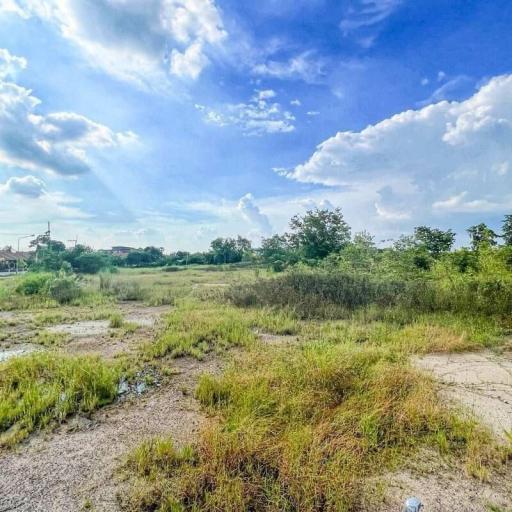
(64, 288)
(33, 284)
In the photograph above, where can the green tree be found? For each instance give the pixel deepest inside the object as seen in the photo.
(481, 235)
(507, 230)
(89, 262)
(319, 233)
(229, 250)
(435, 241)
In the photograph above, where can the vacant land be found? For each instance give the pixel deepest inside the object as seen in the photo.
(245, 390)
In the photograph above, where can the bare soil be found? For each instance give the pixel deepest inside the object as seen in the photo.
(481, 382)
(61, 471)
(441, 488)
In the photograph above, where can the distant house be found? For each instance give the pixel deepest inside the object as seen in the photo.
(121, 250)
(9, 258)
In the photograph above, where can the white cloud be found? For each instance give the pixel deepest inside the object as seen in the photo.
(313, 113)
(389, 214)
(252, 213)
(295, 103)
(431, 152)
(190, 63)
(27, 200)
(256, 117)
(10, 64)
(305, 66)
(57, 142)
(28, 186)
(137, 41)
(363, 17)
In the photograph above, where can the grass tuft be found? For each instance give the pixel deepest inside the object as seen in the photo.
(44, 387)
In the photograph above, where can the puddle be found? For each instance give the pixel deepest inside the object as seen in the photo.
(19, 350)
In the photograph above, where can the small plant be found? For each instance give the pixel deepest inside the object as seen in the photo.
(116, 321)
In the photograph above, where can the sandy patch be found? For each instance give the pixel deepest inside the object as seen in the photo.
(445, 490)
(60, 471)
(17, 350)
(482, 382)
(278, 339)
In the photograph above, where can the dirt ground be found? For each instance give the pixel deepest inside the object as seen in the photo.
(442, 488)
(61, 471)
(480, 382)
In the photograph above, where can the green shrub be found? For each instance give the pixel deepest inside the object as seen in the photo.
(64, 288)
(33, 283)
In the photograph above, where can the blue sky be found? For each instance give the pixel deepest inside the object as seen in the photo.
(171, 122)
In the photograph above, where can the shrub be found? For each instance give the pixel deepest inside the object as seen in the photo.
(64, 288)
(33, 283)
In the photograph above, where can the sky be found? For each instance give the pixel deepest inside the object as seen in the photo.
(173, 122)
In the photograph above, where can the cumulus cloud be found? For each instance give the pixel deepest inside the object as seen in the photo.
(38, 202)
(28, 186)
(425, 158)
(256, 117)
(253, 214)
(137, 41)
(56, 142)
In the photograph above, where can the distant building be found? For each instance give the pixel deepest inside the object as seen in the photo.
(121, 250)
(9, 258)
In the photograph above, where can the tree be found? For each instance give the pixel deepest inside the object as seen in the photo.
(480, 235)
(89, 262)
(319, 233)
(275, 248)
(507, 230)
(435, 241)
(224, 250)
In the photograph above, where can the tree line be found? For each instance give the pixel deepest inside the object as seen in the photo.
(319, 237)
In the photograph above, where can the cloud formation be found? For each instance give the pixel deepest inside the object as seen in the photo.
(56, 142)
(448, 156)
(38, 202)
(137, 41)
(256, 117)
(28, 186)
(363, 17)
(253, 214)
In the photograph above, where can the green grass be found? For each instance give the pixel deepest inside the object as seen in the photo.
(304, 429)
(44, 387)
(116, 320)
(195, 328)
(51, 339)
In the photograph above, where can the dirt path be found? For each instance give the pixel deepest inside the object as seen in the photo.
(59, 472)
(482, 382)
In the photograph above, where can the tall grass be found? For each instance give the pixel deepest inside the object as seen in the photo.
(325, 294)
(303, 430)
(45, 387)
